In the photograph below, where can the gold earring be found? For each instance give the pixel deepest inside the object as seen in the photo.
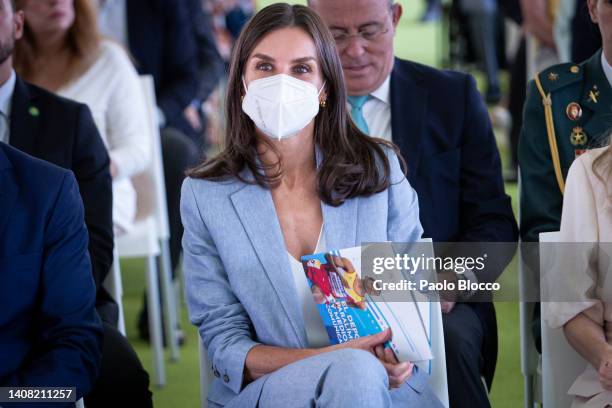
(323, 103)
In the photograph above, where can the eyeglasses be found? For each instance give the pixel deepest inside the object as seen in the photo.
(370, 34)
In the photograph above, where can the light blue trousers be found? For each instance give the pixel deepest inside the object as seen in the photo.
(345, 378)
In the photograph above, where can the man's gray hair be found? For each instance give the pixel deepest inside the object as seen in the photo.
(391, 3)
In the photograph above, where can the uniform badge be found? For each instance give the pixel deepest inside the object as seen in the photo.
(578, 136)
(579, 152)
(594, 94)
(553, 77)
(573, 111)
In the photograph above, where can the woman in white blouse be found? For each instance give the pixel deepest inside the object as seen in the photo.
(62, 51)
(582, 282)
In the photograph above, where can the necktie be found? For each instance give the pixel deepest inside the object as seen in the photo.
(4, 128)
(357, 103)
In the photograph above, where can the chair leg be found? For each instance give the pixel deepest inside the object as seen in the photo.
(118, 291)
(155, 321)
(528, 391)
(170, 306)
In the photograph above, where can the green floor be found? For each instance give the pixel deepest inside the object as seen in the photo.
(415, 41)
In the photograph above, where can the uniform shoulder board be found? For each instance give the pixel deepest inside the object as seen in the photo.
(559, 76)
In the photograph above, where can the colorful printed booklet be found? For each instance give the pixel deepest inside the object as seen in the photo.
(345, 303)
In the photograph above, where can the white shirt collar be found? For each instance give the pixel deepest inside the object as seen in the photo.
(383, 93)
(606, 68)
(6, 94)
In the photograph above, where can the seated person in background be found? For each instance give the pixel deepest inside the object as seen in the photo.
(211, 68)
(578, 100)
(50, 334)
(441, 126)
(297, 177)
(161, 39)
(63, 132)
(61, 51)
(580, 97)
(582, 283)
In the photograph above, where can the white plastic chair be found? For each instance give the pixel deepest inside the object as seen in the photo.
(114, 286)
(561, 364)
(149, 239)
(529, 354)
(437, 381)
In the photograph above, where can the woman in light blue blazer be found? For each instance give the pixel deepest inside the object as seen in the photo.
(296, 177)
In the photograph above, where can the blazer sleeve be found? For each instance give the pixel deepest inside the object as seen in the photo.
(224, 326)
(541, 199)
(91, 168)
(403, 224)
(67, 329)
(571, 280)
(180, 63)
(486, 211)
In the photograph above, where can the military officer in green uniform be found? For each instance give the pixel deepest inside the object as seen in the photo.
(568, 110)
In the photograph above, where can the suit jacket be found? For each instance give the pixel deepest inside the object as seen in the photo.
(442, 128)
(63, 132)
(235, 257)
(161, 39)
(541, 198)
(50, 334)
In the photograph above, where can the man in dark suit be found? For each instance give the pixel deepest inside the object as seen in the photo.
(50, 334)
(63, 132)
(441, 125)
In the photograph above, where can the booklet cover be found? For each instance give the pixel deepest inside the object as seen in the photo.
(348, 311)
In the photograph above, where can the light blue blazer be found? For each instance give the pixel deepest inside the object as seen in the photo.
(240, 288)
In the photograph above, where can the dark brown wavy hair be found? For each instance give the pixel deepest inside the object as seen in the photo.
(353, 164)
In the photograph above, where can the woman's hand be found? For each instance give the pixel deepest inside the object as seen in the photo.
(605, 371)
(398, 372)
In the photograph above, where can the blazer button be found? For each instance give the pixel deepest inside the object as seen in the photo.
(226, 378)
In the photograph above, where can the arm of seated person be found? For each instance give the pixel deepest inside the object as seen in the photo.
(587, 337)
(262, 359)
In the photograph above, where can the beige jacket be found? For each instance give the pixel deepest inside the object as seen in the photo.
(581, 279)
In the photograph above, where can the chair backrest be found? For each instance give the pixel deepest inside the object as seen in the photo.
(561, 364)
(155, 171)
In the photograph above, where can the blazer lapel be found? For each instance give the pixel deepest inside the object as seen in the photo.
(8, 191)
(408, 108)
(597, 97)
(340, 225)
(256, 211)
(25, 118)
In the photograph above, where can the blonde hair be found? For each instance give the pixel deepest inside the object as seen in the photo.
(83, 40)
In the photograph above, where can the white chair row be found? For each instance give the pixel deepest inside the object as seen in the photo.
(549, 376)
(149, 239)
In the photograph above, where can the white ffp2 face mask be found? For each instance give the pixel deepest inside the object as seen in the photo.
(281, 105)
